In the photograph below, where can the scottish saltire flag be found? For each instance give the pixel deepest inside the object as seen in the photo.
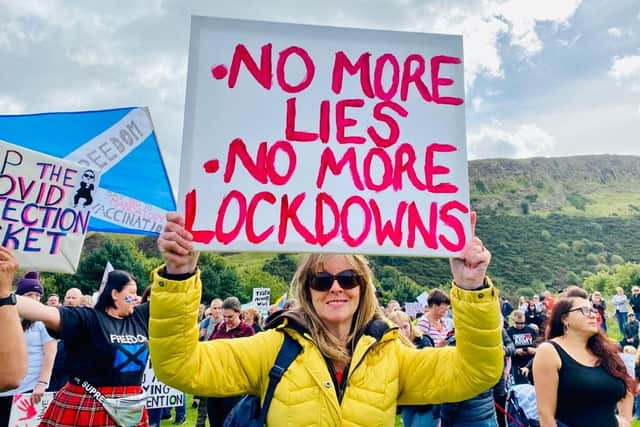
(282, 299)
(135, 192)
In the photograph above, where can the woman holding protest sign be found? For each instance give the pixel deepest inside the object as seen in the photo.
(353, 369)
(106, 356)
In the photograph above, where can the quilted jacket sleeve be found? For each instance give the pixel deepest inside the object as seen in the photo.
(225, 367)
(453, 374)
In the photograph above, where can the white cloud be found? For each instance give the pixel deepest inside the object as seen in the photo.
(477, 103)
(523, 16)
(498, 140)
(570, 43)
(615, 32)
(10, 105)
(627, 68)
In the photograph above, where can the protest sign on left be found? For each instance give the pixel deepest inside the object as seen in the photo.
(45, 206)
(25, 413)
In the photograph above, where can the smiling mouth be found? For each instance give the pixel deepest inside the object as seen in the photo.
(336, 302)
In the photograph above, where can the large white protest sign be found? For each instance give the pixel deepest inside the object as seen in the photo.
(45, 206)
(160, 394)
(24, 413)
(307, 138)
(261, 299)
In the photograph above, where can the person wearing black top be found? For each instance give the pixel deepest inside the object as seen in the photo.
(579, 377)
(634, 301)
(106, 346)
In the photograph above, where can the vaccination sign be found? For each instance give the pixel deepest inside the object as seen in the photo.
(305, 139)
(45, 207)
(120, 144)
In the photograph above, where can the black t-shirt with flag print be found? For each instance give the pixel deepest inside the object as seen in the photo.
(104, 350)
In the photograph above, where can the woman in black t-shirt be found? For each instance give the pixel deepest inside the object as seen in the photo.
(106, 347)
(579, 377)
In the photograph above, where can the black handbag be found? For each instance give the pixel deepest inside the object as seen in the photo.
(247, 412)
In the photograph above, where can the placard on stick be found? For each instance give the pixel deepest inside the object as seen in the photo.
(45, 206)
(304, 138)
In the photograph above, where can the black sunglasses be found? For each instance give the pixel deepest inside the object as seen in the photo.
(323, 281)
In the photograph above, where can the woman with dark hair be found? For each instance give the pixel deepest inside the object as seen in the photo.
(433, 324)
(579, 377)
(107, 352)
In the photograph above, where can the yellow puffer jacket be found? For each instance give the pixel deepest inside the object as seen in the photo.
(382, 374)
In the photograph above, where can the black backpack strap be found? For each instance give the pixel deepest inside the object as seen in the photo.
(287, 354)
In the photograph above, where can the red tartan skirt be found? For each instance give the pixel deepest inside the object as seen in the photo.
(72, 406)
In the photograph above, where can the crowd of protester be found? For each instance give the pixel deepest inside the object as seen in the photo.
(554, 348)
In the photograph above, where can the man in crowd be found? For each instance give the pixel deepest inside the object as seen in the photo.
(631, 331)
(635, 301)
(13, 351)
(73, 297)
(53, 300)
(523, 338)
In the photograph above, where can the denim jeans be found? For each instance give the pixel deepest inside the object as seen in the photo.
(489, 422)
(413, 417)
(622, 320)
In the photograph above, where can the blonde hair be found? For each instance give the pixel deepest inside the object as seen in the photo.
(398, 317)
(629, 349)
(253, 313)
(329, 345)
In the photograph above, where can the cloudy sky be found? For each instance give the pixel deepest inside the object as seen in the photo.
(543, 77)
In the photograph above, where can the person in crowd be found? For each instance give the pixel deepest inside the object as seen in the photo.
(500, 389)
(600, 305)
(232, 326)
(73, 297)
(537, 302)
(106, 349)
(352, 367)
(628, 356)
(480, 410)
(207, 327)
(579, 377)
(392, 306)
(415, 415)
(548, 301)
(201, 311)
(630, 331)
(53, 300)
(636, 405)
(252, 318)
(41, 349)
(523, 337)
(634, 301)
(506, 309)
(87, 301)
(620, 304)
(533, 313)
(433, 324)
(13, 351)
(523, 303)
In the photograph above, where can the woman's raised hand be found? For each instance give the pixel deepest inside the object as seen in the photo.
(176, 246)
(8, 269)
(470, 268)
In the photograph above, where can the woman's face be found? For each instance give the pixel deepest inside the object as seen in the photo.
(126, 299)
(405, 328)
(582, 318)
(439, 310)
(336, 306)
(33, 295)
